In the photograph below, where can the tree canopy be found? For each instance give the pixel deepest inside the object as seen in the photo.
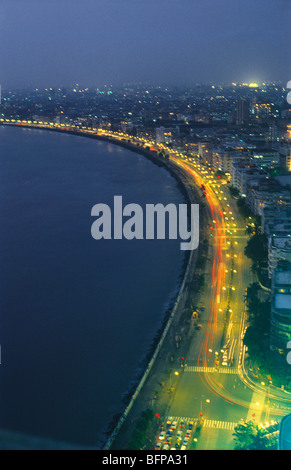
(251, 436)
(256, 249)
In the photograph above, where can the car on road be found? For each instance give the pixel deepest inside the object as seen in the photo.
(162, 436)
(225, 359)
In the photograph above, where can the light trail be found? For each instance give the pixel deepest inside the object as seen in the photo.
(217, 297)
(218, 300)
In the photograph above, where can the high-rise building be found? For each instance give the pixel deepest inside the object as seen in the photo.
(273, 133)
(242, 111)
(285, 155)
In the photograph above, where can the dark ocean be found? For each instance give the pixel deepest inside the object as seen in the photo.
(77, 315)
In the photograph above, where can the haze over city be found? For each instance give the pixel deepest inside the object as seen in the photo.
(116, 41)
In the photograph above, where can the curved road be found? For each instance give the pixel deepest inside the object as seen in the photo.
(213, 383)
(223, 395)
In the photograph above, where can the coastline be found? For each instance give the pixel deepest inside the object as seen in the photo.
(175, 311)
(121, 143)
(120, 436)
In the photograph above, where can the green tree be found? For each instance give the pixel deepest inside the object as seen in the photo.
(256, 249)
(252, 299)
(256, 336)
(249, 230)
(244, 210)
(233, 191)
(139, 434)
(250, 436)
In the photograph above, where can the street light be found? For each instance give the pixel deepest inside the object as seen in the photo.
(201, 403)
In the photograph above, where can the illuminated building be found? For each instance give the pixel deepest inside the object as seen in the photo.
(266, 192)
(205, 152)
(281, 307)
(244, 171)
(265, 158)
(285, 155)
(166, 134)
(261, 109)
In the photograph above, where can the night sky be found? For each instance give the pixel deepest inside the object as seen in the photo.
(175, 42)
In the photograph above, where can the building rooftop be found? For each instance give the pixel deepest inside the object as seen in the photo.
(281, 242)
(283, 278)
(283, 301)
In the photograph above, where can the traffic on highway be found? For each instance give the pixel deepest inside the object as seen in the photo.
(215, 387)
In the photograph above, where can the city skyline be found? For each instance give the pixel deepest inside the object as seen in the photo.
(173, 43)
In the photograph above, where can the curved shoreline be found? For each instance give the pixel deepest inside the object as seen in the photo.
(121, 143)
(189, 263)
